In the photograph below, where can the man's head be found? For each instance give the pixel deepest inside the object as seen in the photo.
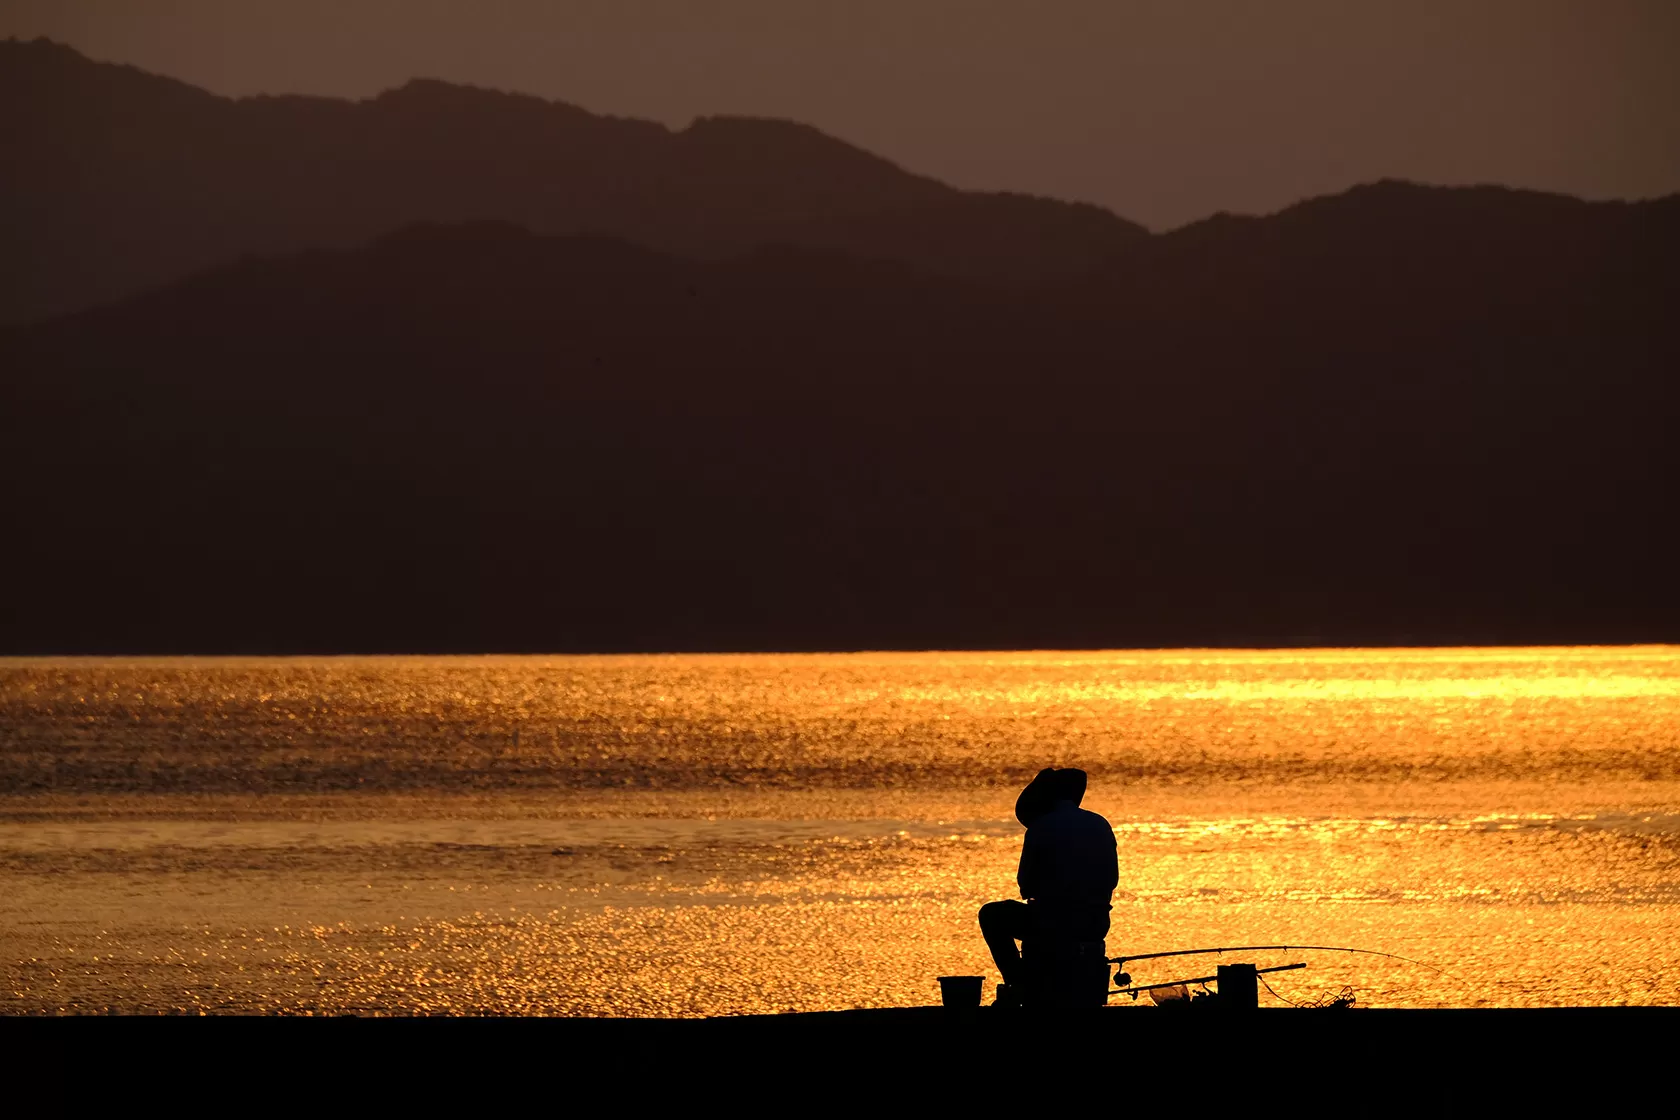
(1069, 784)
(1048, 787)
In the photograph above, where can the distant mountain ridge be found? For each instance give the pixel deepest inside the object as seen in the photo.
(1401, 414)
(119, 180)
(451, 369)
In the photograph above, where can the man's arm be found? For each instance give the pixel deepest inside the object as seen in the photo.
(1030, 876)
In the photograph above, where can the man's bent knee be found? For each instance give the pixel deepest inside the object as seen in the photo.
(1005, 914)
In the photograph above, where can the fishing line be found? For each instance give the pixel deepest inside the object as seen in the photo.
(1123, 961)
(1343, 998)
(1273, 990)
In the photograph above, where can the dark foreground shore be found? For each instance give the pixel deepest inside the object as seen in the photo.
(1375, 1060)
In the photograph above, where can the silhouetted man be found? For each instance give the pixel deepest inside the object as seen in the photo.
(1067, 876)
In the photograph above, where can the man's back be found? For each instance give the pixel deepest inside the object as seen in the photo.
(1068, 860)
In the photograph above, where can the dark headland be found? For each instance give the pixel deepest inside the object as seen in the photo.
(459, 370)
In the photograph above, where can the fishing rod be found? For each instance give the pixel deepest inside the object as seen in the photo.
(1122, 961)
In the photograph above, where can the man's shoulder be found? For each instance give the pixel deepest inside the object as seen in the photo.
(1094, 820)
(1071, 816)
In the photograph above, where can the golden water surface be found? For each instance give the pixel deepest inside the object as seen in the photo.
(684, 835)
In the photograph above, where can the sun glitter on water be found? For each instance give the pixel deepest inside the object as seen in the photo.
(701, 835)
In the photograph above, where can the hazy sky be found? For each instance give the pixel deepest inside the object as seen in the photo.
(1163, 110)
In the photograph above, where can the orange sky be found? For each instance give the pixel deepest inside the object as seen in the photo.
(1163, 110)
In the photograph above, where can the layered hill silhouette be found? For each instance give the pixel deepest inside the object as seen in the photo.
(1397, 414)
(118, 180)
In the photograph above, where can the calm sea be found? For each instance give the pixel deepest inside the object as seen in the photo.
(691, 835)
